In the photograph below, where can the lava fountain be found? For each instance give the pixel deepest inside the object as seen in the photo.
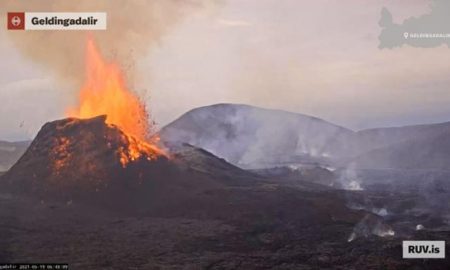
(104, 92)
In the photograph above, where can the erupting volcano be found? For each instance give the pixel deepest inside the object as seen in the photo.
(104, 152)
(105, 145)
(105, 93)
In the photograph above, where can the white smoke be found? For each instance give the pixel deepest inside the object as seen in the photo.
(349, 179)
(371, 225)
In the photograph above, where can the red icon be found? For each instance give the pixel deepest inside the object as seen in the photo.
(16, 20)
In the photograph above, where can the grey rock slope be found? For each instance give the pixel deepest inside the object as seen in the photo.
(382, 137)
(252, 137)
(424, 147)
(10, 152)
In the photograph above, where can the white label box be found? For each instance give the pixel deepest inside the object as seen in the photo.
(424, 249)
(65, 21)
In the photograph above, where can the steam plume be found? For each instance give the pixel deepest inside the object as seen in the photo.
(132, 27)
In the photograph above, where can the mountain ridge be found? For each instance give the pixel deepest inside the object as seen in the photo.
(239, 134)
(249, 136)
(246, 135)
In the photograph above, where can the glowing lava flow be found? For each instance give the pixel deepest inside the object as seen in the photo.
(104, 93)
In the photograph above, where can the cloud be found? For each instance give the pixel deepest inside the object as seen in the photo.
(287, 58)
(28, 104)
(233, 23)
(133, 27)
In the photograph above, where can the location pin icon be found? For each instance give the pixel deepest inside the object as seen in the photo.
(406, 35)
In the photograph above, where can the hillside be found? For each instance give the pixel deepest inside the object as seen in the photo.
(10, 152)
(257, 138)
(252, 137)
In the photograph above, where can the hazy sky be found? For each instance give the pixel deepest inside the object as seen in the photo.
(314, 57)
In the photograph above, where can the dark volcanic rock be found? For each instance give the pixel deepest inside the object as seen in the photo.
(73, 154)
(190, 211)
(75, 158)
(318, 176)
(80, 160)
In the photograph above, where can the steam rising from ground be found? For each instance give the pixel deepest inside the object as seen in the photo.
(132, 27)
(254, 138)
(371, 225)
(349, 178)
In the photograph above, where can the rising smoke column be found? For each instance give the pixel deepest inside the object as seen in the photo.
(133, 26)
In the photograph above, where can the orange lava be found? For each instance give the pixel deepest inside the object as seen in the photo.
(135, 150)
(104, 93)
(62, 154)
